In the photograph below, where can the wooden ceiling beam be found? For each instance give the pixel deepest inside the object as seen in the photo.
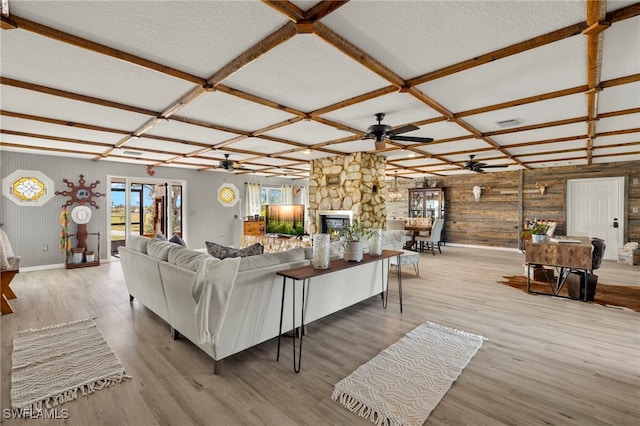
(62, 122)
(596, 12)
(286, 8)
(74, 96)
(357, 54)
(272, 41)
(258, 100)
(101, 49)
(355, 100)
(514, 49)
(322, 9)
(53, 138)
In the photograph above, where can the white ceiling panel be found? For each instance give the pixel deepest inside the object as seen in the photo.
(85, 72)
(569, 130)
(234, 112)
(550, 67)
(619, 98)
(309, 132)
(424, 36)
(611, 124)
(558, 146)
(262, 146)
(534, 113)
(399, 108)
(156, 30)
(615, 158)
(8, 124)
(621, 51)
(305, 64)
(54, 84)
(42, 105)
(448, 147)
(144, 143)
(189, 132)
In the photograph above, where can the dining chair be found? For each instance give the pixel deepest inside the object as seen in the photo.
(433, 240)
(394, 240)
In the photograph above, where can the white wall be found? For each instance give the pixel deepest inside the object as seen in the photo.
(29, 228)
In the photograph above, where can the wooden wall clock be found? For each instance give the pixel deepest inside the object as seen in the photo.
(81, 193)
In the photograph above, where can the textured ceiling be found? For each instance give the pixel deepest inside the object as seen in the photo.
(276, 84)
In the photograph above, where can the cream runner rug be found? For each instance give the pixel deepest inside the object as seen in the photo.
(405, 382)
(57, 364)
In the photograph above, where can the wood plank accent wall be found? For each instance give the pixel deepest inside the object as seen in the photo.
(496, 219)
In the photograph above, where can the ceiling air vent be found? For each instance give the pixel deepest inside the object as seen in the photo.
(508, 123)
(132, 153)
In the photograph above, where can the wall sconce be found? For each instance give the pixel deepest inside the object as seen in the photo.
(542, 187)
(477, 191)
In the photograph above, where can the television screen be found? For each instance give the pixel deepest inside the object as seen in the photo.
(285, 219)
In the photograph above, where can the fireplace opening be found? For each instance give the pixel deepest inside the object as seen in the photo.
(333, 221)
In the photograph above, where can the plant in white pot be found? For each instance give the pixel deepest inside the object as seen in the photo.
(352, 237)
(538, 233)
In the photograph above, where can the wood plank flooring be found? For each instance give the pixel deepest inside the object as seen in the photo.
(546, 360)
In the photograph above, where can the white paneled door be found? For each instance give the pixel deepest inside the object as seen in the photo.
(595, 208)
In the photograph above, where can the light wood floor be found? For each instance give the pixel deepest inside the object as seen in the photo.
(546, 360)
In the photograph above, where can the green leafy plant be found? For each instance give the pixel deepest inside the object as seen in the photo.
(538, 229)
(354, 232)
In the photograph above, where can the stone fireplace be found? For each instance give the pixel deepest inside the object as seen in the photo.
(352, 183)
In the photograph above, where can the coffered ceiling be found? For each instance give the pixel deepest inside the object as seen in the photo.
(274, 84)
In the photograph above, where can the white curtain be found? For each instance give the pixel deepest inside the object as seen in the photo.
(287, 194)
(252, 205)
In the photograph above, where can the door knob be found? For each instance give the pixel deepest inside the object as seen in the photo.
(615, 222)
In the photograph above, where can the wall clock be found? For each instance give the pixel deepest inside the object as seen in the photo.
(81, 193)
(228, 195)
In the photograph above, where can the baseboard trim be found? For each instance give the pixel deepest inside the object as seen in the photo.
(483, 247)
(54, 266)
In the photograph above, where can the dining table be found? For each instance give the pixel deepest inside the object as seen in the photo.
(415, 230)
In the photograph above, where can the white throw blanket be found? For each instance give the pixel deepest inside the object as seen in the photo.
(5, 250)
(211, 289)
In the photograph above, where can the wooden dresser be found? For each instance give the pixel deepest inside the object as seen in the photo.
(254, 227)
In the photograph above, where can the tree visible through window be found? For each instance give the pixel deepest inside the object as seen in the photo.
(269, 196)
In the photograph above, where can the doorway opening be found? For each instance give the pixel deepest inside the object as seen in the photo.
(141, 207)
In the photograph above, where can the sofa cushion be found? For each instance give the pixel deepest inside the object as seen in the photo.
(188, 259)
(222, 252)
(177, 239)
(269, 259)
(160, 249)
(138, 243)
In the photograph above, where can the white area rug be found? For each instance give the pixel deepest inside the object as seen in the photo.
(57, 364)
(405, 382)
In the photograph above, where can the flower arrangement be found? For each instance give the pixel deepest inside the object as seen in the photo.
(354, 232)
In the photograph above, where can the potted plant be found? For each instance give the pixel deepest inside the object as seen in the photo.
(538, 233)
(352, 240)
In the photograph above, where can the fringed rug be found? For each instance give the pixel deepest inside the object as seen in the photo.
(405, 382)
(57, 364)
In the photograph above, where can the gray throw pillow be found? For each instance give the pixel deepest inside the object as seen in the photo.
(222, 252)
(178, 240)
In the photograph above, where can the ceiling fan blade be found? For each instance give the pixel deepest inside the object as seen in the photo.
(493, 167)
(380, 145)
(415, 139)
(403, 129)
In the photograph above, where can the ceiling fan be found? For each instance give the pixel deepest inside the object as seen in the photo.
(228, 164)
(382, 132)
(476, 166)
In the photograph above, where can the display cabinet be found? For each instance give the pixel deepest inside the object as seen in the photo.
(426, 202)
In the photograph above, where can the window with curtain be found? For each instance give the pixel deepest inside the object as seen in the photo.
(253, 204)
(287, 194)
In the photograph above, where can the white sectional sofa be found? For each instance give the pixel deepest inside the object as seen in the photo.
(226, 306)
